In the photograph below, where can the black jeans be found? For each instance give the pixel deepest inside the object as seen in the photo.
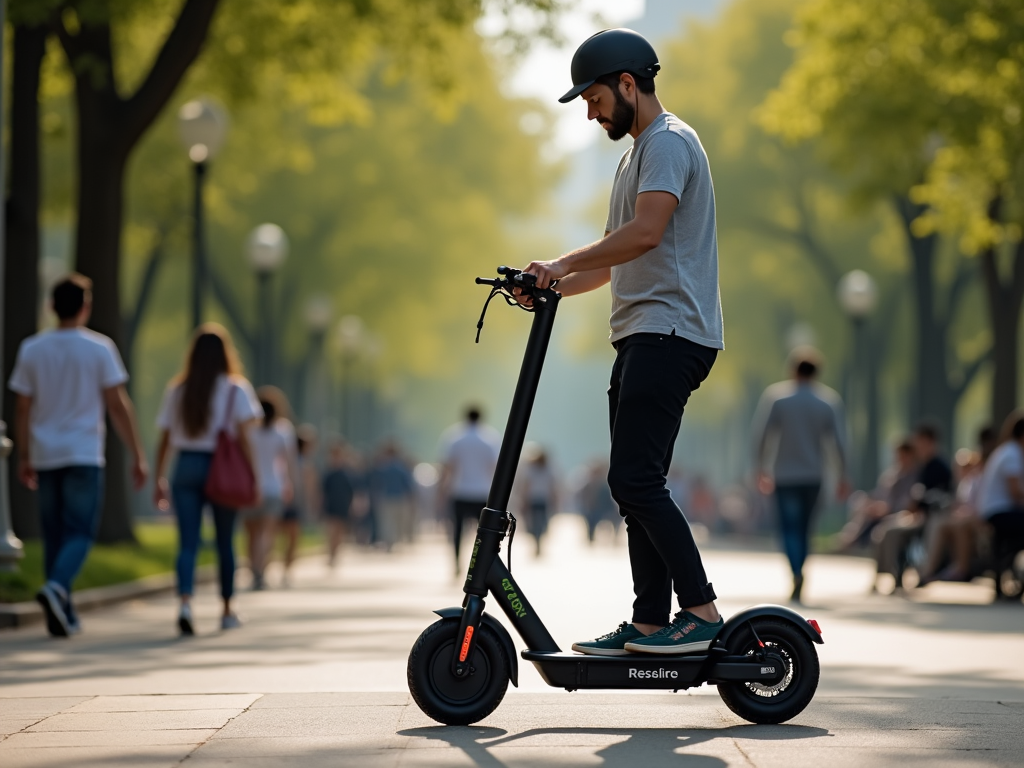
(652, 379)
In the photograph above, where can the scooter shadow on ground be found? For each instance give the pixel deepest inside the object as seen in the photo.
(650, 747)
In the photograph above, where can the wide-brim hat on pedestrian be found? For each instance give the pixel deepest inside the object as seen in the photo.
(611, 50)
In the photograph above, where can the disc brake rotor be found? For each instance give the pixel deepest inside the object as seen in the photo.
(768, 691)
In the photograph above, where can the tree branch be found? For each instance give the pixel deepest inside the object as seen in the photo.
(970, 372)
(230, 306)
(133, 322)
(179, 51)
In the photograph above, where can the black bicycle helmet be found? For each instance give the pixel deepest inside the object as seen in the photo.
(611, 50)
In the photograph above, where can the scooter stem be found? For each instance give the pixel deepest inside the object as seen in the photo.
(522, 402)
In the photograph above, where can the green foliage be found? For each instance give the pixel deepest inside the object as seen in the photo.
(921, 95)
(786, 234)
(107, 563)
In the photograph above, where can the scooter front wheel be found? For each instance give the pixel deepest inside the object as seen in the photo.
(787, 698)
(439, 693)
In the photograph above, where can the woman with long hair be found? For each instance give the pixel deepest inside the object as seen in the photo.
(210, 394)
(274, 454)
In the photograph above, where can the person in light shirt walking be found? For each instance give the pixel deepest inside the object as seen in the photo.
(209, 395)
(67, 381)
(470, 452)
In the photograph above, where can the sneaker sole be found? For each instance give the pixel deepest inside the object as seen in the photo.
(599, 651)
(670, 650)
(56, 623)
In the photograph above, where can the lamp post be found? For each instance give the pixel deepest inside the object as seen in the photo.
(350, 338)
(202, 125)
(10, 546)
(318, 317)
(268, 248)
(858, 296)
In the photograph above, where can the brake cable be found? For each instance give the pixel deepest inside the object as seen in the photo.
(510, 300)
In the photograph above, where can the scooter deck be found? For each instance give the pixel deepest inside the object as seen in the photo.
(574, 671)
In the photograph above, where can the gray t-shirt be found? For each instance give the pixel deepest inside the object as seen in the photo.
(802, 422)
(672, 288)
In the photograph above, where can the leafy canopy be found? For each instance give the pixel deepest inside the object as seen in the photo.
(922, 97)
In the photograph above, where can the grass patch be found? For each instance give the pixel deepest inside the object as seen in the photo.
(107, 563)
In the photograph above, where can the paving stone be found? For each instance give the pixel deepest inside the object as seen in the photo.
(236, 702)
(309, 721)
(142, 721)
(94, 757)
(122, 738)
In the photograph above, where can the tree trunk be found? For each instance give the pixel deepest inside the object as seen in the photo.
(101, 165)
(21, 275)
(1005, 298)
(933, 397)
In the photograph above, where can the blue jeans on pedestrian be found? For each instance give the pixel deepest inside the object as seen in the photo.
(796, 505)
(189, 498)
(69, 512)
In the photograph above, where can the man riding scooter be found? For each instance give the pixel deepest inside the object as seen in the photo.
(660, 254)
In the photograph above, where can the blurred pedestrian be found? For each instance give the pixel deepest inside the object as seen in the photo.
(339, 493)
(208, 396)
(274, 451)
(802, 419)
(537, 491)
(66, 381)
(393, 490)
(470, 451)
(595, 500)
(930, 495)
(305, 504)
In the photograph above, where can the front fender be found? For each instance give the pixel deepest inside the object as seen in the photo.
(499, 629)
(736, 623)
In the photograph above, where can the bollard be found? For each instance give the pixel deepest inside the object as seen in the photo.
(11, 550)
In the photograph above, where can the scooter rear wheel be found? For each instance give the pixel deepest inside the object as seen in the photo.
(439, 693)
(760, 703)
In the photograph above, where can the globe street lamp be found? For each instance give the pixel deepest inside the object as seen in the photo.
(319, 312)
(268, 248)
(350, 339)
(858, 296)
(202, 126)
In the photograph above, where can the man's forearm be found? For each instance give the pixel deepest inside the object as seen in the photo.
(21, 413)
(583, 282)
(122, 415)
(630, 241)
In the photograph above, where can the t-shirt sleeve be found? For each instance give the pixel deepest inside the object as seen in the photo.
(247, 405)
(666, 165)
(22, 379)
(112, 370)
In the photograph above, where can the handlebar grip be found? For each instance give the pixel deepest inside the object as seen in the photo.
(487, 281)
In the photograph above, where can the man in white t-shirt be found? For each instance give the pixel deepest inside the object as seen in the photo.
(67, 380)
(1002, 487)
(470, 453)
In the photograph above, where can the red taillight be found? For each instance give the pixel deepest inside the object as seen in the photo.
(814, 624)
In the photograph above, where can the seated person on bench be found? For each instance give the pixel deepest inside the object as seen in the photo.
(956, 539)
(934, 480)
(1002, 488)
(891, 495)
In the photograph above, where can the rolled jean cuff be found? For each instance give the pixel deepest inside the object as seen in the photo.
(697, 596)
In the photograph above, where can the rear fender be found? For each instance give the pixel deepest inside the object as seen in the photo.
(736, 623)
(499, 629)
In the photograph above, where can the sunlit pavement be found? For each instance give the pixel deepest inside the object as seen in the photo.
(317, 674)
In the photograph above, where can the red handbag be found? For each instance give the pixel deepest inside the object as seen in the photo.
(231, 482)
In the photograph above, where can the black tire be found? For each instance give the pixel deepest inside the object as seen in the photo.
(785, 700)
(440, 694)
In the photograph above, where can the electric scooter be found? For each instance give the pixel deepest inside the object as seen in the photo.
(763, 659)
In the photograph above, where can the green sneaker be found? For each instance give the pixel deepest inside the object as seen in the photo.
(610, 644)
(687, 634)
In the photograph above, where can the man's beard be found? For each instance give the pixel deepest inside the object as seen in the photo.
(622, 117)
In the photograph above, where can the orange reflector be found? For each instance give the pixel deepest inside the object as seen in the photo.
(814, 624)
(465, 644)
